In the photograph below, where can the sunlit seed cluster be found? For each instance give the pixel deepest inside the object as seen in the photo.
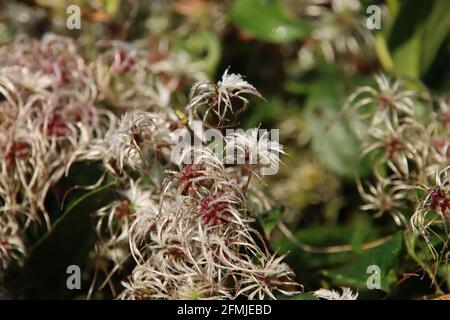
(188, 227)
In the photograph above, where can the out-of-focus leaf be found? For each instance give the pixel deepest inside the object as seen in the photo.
(383, 53)
(112, 6)
(393, 6)
(417, 34)
(444, 272)
(383, 256)
(269, 220)
(297, 88)
(303, 296)
(204, 48)
(333, 140)
(434, 33)
(67, 243)
(263, 112)
(321, 237)
(437, 76)
(361, 232)
(267, 20)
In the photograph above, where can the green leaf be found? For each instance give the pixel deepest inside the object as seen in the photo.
(268, 21)
(264, 112)
(383, 256)
(434, 33)
(383, 53)
(417, 33)
(112, 6)
(204, 48)
(68, 242)
(269, 220)
(393, 6)
(360, 234)
(302, 296)
(333, 140)
(324, 236)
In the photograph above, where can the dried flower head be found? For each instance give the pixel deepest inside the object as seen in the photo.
(254, 149)
(411, 158)
(346, 294)
(199, 242)
(220, 104)
(340, 31)
(389, 102)
(433, 210)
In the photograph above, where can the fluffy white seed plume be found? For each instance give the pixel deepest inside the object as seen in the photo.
(254, 148)
(339, 31)
(126, 142)
(391, 100)
(346, 294)
(222, 102)
(437, 202)
(200, 243)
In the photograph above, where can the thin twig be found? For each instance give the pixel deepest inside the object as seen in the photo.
(329, 249)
